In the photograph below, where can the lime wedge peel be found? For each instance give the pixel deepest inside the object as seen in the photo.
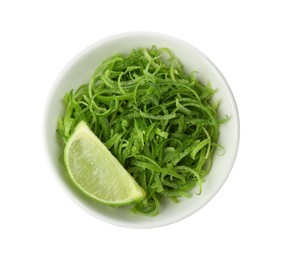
(96, 172)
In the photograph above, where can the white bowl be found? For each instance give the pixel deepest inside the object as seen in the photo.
(79, 71)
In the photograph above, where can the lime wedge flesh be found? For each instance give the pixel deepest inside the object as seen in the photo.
(96, 172)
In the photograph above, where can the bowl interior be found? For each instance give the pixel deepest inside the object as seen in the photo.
(79, 71)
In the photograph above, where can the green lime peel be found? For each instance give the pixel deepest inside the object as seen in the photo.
(158, 121)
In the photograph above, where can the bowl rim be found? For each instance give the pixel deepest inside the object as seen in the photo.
(95, 45)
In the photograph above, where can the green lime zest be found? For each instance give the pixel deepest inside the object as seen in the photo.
(158, 121)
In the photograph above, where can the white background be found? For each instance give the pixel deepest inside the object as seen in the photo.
(245, 39)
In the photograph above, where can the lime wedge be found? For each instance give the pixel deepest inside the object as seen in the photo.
(96, 172)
